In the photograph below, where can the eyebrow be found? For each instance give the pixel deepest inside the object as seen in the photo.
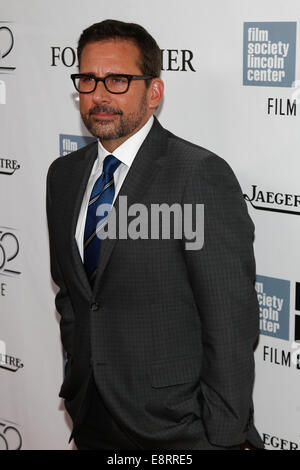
(106, 75)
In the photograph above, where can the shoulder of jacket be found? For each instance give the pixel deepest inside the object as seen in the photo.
(70, 158)
(192, 153)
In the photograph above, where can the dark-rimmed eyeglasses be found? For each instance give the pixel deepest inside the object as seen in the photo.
(114, 83)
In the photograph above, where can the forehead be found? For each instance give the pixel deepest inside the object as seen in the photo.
(115, 54)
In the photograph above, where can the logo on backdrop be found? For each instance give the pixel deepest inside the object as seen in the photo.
(269, 53)
(6, 46)
(175, 60)
(277, 320)
(8, 167)
(271, 201)
(10, 436)
(8, 362)
(70, 143)
(281, 107)
(279, 443)
(274, 306)
(9, 250)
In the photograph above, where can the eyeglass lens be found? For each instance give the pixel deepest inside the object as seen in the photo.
(115, 83)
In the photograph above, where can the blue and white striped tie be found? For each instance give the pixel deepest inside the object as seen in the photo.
(103, 193)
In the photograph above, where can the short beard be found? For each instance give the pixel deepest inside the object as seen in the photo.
(109, 129)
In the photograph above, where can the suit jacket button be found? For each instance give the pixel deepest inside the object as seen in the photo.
(94, 306)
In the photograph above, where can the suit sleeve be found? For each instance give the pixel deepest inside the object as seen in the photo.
(222, 275)
(62, 300)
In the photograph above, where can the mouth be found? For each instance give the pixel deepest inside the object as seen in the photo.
(103, 114)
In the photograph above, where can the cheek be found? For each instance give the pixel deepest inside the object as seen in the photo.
(132, 102)
(84, 103)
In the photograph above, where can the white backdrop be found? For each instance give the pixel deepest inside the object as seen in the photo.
(207, 102)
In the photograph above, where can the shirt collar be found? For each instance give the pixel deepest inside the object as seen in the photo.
(127, 151)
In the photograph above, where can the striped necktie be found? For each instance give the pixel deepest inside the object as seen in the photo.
(103, 193)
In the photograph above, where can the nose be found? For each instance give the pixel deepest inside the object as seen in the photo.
(101, 94)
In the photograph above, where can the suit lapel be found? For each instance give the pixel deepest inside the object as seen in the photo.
(80, 174)
(143, 170)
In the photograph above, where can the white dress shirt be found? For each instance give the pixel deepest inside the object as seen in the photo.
(126, 154)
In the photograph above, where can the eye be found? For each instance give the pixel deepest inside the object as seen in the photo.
(87, 78)
(118, 80)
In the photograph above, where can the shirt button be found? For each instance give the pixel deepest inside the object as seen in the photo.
(94, 306)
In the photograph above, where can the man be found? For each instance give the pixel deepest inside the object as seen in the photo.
(159, 338)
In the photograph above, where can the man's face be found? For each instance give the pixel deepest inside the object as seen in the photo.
(111, 117)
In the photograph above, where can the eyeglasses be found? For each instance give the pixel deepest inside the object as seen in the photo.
(114, 83)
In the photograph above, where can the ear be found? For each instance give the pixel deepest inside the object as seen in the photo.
(156, 91)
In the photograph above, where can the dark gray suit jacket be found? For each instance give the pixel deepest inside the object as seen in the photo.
(168, 333)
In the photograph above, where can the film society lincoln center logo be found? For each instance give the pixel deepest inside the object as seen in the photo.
(70, 143)
(276, 305)
(269, 54)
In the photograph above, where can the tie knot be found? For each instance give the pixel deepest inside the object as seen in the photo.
(110, 165)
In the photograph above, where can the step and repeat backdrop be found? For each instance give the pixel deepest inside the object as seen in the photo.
(232, 84)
